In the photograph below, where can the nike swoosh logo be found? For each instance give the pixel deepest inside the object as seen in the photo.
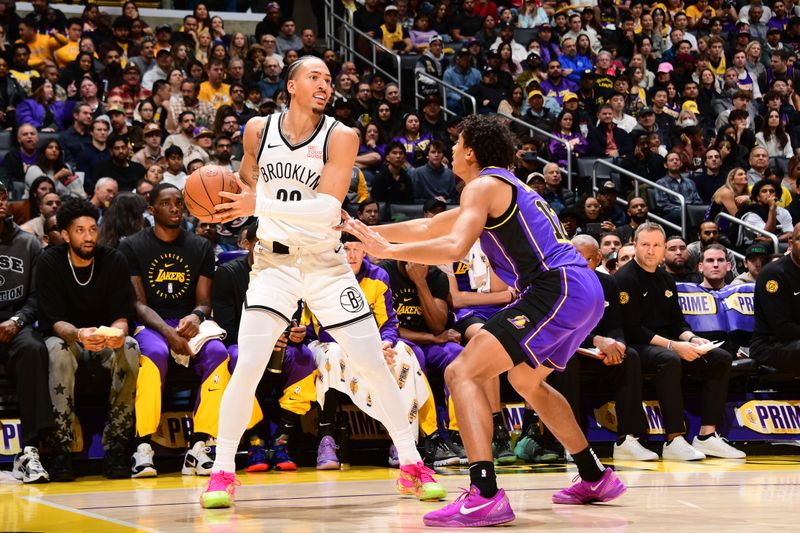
(167, 265)
(273, 145)
(213, 390)
(645, 294)
(595, 487)
(798, 292)
(468, 511)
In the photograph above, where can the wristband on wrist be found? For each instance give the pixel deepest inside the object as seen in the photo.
(693, 337)
(199, 314)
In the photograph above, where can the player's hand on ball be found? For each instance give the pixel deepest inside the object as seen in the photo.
(375, 244)
(242, 204)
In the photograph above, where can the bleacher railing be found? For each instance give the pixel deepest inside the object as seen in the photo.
(550, 136)
(636, 179)
(744, 225)
(444, 87)
(344, 39)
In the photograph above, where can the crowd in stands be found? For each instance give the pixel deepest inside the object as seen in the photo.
(109, 115)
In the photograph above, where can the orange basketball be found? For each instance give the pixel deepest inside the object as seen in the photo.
(201, 192)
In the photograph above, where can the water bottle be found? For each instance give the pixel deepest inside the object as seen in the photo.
(516, 432)
(343, 440)
(275, 364)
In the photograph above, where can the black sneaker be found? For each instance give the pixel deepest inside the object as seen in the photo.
(439, 453)
(457, 445)
(530, 450)
(61, 467)
(501, 447)
(116, 464)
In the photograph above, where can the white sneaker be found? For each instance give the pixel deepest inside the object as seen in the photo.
(28, 468)
(680, 450)
(716, 446)
(632, 450)
(142, 461)
(197, 461)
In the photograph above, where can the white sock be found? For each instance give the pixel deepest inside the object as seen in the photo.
(406, 447)
(258, 333)
(226, 453)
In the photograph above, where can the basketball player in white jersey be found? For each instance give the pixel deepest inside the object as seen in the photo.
(294, 176)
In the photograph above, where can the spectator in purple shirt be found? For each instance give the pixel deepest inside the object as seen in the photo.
(567, 129)
(556, 86)
(16, 161)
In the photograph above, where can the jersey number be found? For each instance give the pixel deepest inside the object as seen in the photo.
(552, 217)
(289, 196)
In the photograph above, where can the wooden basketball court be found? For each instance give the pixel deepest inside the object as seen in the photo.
(759, 494)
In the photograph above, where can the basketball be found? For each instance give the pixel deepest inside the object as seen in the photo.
(201, 192)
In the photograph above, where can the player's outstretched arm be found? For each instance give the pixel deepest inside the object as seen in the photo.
(420, 229)
(443, 249)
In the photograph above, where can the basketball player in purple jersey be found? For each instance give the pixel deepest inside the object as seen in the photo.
(560, 302)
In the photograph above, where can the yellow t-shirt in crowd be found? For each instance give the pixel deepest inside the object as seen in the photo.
(67, 54)
(216, 97)
(694, 13)
(41, 49)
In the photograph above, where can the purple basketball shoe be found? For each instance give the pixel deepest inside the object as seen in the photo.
(605, 489)
(472, 510)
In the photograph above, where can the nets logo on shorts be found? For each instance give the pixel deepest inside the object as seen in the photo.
(351, 300)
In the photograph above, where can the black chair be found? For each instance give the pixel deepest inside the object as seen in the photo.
(524, 35)
(5, 141)
(47, 136)
(695, 215)
(408, 211)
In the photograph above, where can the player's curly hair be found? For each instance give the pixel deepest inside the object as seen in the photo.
(490, 139)
(74, 207)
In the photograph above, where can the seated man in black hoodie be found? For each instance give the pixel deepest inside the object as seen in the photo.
(22, 350)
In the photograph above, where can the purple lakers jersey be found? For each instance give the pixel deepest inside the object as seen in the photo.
(528, 239)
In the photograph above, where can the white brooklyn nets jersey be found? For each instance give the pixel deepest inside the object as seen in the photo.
(290, 173)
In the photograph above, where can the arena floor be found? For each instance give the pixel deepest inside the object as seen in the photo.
(760, 494)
